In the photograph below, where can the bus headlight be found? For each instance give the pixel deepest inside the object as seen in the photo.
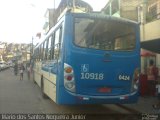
(69, 80)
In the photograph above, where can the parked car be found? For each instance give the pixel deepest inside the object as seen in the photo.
(3, 65)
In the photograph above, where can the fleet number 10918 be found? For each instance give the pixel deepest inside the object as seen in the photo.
(92, 76)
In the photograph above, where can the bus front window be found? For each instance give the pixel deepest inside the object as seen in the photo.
(104, 35)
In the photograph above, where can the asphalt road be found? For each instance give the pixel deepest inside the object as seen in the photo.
(24, 97)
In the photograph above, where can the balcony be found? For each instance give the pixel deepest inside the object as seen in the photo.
(153, 12)
(152, 30)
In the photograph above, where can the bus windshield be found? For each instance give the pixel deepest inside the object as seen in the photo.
(104, 35)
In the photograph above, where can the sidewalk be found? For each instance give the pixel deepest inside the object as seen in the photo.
(144, 105)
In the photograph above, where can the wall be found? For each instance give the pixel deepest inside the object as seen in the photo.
(129, 9)
(152, 30)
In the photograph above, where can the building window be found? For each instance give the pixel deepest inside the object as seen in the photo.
(153, 11)
(115, 6)
(107, 10)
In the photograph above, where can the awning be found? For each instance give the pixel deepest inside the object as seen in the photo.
(151, 45)
(146, 53)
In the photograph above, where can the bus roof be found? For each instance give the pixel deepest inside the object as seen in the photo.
(103, 16)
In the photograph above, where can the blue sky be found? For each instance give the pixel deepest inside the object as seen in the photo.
(22, 19)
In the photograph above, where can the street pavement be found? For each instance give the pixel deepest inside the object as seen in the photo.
(144, 105)
(25, 97)
(18, 96)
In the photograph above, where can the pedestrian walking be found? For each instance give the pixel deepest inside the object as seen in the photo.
(28, 71)
(152, 73)
(21, 71)
(16, 68)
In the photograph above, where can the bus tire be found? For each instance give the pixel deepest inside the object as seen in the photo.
(42, 89)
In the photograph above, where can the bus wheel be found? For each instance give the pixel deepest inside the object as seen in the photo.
(42, 89)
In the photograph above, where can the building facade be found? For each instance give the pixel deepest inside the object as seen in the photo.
(12, 51)
(52, 15)
(123, 8)
(147, 13)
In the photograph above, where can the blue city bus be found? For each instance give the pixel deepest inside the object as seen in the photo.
(89, 58)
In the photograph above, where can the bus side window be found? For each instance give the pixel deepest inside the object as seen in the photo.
(49, 48)
(41, 50)
(38, 57)
(52, 46)
(57, 42)
(45, 50)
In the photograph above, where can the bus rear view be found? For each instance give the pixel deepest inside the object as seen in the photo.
(101, 60)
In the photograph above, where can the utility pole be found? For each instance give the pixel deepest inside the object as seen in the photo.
(73, 5)
(32, 45)
(54, 4)
(31, 49)
(143, 19)
(144, 11)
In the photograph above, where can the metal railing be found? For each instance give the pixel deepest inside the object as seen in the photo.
(153, 11)
(152, 17)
